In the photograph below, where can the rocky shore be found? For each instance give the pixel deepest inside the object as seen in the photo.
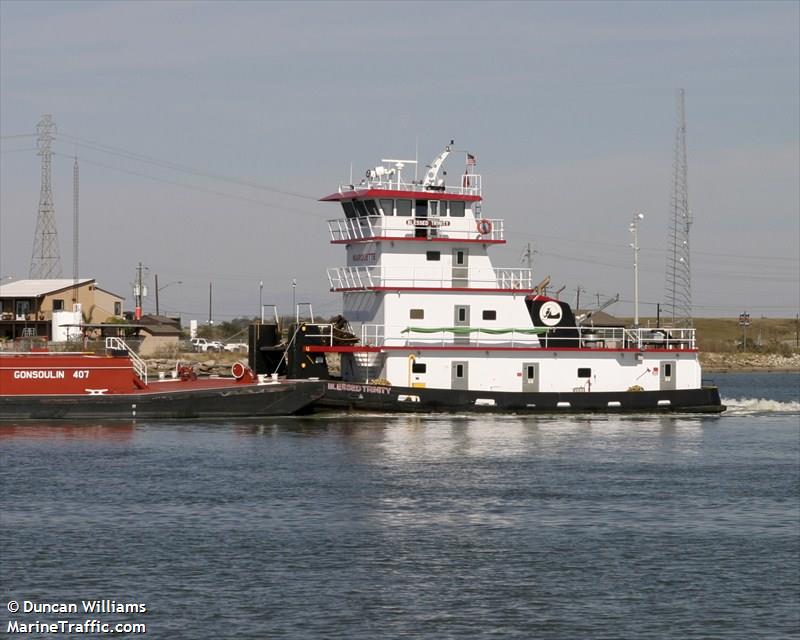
(749, 362)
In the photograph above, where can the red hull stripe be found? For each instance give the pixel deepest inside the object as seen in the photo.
(396, 239)
(393, 193)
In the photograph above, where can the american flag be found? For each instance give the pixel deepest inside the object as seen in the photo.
(471, 160)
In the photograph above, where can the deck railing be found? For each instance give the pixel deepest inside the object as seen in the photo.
(470, 185)
(367, 227)
(378, 335)
(366, 277)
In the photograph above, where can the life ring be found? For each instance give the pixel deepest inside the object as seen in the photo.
(484, 227)
(242, 373)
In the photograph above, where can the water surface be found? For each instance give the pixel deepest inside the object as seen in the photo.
(415, 527)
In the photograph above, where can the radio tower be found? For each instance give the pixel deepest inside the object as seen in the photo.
(45, 260)
(678, 298)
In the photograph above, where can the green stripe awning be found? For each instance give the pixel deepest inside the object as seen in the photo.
(467, 330)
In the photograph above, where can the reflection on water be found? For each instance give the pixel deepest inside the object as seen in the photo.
(115, 431)
(411, 526)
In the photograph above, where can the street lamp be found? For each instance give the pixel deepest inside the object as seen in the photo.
(162, 288)
(294, 304)
(634, 229)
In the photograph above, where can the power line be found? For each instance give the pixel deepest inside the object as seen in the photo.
(132, 155)
(19, 135)
(188, 186)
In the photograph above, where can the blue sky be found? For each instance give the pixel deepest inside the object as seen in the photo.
(569, 107)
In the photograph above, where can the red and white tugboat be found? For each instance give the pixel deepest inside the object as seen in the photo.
(439, 328)
(44, 385)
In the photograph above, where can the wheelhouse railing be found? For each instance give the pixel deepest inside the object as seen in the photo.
(366, 277)
(469, 185)
(377, 335)
(452, 228)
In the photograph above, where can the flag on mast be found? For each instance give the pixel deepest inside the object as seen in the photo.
(471, 161)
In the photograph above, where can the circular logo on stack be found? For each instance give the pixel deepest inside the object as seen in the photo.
(550, 313)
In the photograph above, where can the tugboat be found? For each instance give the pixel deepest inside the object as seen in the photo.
(434, 326)
(42, 385)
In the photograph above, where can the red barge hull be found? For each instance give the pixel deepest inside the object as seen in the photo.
(50, 386)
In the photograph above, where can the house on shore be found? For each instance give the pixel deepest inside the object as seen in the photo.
(27, 306)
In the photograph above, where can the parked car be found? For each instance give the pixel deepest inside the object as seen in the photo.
(236, 347)
(204, 345)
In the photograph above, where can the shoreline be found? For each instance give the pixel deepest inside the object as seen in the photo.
(749, 363)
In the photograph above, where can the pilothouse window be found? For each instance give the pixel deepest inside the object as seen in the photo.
(404, 207)
(349, 209)
(457, 209)
(361, 208)
(372, 207)
(387, 206)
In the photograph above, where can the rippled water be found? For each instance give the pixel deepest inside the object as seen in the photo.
(414, 527)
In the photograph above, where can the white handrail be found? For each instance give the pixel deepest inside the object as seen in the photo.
(139, 365)
(378, 335)
(364, 277)
(366, 227)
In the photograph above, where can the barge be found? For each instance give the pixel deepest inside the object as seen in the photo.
(41, 385)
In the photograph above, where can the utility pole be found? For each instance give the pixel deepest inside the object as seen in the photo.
(157, 294)
(294, 304)
(578, 297)
(744, 322)
(139, 292)
(261, 300)
(527, 256)
(634, 229)
(75, 271)
(210, 321)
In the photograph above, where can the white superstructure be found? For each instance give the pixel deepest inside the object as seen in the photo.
(431, 310)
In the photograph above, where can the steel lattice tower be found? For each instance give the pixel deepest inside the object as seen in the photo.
(46, 259)
(678, 296)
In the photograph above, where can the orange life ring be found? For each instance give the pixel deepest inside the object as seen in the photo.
(484, 226)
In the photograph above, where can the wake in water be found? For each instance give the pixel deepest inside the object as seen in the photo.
(740, 406)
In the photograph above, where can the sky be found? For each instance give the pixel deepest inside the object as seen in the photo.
(206, 133)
